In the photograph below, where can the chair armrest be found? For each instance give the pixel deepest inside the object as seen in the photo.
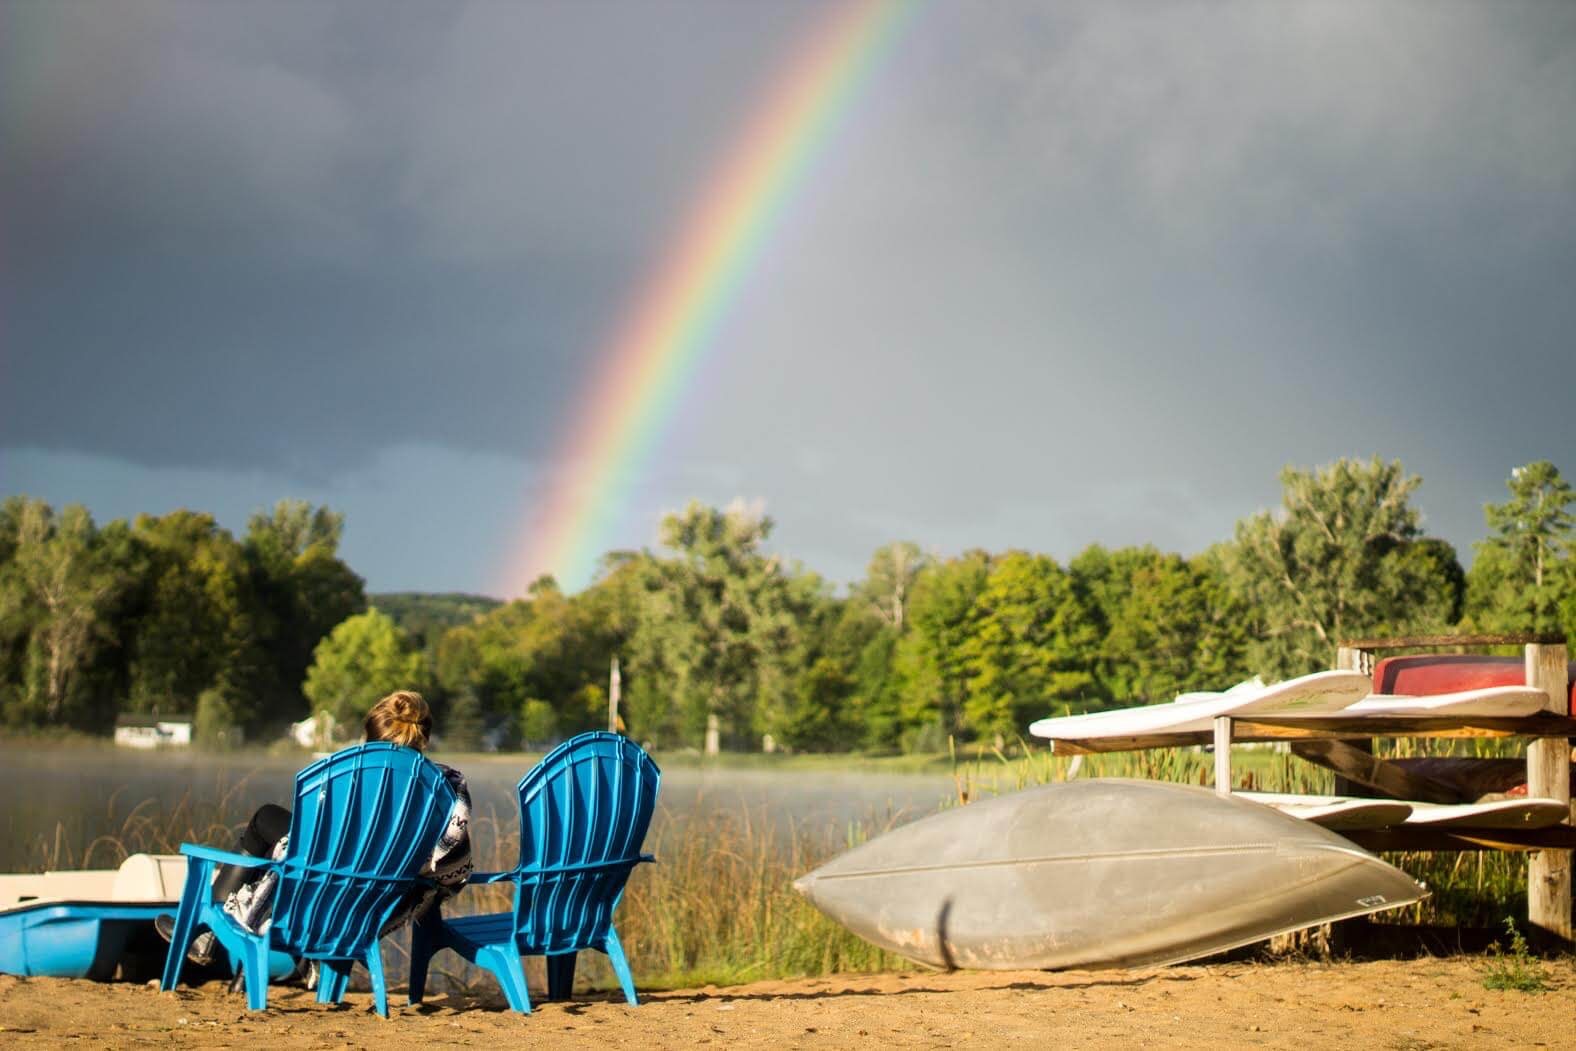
(490, 877)
(224, 857)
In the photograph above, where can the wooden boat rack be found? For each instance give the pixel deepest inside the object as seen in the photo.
(1345, 746)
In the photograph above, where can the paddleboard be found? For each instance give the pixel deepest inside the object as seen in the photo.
(1500, 813)
(1495, 702)
(1323, 691)
(1340, 813)
(1353, 812)
(1098, 873)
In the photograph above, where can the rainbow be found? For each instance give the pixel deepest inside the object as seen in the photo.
(664, 335)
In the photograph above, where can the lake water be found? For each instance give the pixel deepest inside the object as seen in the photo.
(55, 801)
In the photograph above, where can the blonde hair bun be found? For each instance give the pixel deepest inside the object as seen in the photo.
(401, 718)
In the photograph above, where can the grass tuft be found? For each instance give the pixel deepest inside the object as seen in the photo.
(1514, 968)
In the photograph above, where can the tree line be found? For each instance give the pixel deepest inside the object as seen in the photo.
(721, 641)
(168, 614)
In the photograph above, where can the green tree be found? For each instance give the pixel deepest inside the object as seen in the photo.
(538, 722)
(1032, 641)
(548, 647)
(889, 580)
(1153, 625)
(192, 628)
(1525, 569)
(1335, 563)
(55, 592)
(462, 725)
(1222, 655)
(931, 671)
(718, 625)
(820, 717)
(302, 591)
(215, 724)
(361, 660)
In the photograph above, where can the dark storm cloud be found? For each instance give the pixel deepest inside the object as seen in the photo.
(1064, 273)
(284, 237)
(1173, 248)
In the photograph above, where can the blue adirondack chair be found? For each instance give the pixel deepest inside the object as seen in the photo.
(364, 822)
(583, 816)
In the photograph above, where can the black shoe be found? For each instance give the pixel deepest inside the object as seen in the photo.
(199, 952)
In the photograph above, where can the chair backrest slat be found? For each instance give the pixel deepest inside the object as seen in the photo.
(584, 811)
(365, 821)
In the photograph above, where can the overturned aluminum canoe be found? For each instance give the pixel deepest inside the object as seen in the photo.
(1100, 873)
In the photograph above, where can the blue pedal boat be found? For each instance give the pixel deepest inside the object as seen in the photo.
(93, 923)
(81, 924)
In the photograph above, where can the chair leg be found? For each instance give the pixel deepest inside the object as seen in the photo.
(504, 962)
(380, 996)
(256, 966)
(615, 956)
(561, 976)
(333, 978)
(199, 875)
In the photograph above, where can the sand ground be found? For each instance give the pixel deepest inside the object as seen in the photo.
(1410, 1005)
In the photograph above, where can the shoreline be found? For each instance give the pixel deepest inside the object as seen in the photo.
(1424, 1003)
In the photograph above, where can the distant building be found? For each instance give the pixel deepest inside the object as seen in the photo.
(317, 731)
(153, 731)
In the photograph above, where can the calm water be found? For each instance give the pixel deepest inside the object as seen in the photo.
(55, 801)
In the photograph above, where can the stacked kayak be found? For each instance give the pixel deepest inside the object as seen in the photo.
(1309, 700)
(1351, 813)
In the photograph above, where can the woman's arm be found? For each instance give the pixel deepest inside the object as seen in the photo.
(451, 864)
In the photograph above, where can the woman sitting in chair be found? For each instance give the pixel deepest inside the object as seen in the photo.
(401, 718)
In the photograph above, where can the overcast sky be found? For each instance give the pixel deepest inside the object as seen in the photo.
(1064, 274)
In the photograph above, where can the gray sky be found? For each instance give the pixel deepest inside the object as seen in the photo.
(1064, 274)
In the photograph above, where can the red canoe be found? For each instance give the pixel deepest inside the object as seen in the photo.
(1421, 676)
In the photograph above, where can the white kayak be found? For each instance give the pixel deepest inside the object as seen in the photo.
(1493, 702)
(1499, 813)
(1325, 691)
(1349, 813)
(1340, 813)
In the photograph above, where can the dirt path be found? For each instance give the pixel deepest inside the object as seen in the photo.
(1388, 1005)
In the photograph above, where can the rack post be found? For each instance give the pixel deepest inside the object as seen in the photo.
(1223, 755)
(1349, 657)
(1549, 776)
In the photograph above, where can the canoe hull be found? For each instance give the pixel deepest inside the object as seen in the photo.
(1102, 873)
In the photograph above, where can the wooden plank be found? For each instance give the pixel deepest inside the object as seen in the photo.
(1427, 839)
(1549, 775)
(1353, 658)
(1365, 769)
(1266, 728)
(1475, 777)
(1223, 755)
(1285, 727)
(1432, 641)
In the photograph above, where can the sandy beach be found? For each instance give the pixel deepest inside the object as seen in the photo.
(1414, 1004)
